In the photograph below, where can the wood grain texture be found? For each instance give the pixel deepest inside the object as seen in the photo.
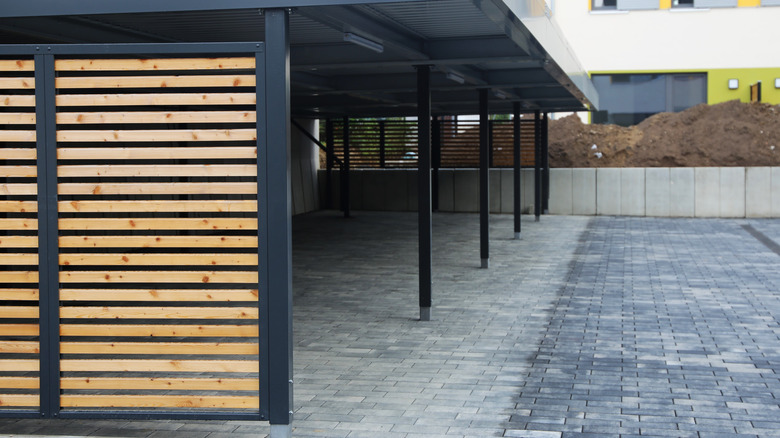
(18, 312)
(94, 82)
(146, 117)
(18, 189)
(18, 207)
(146, 206)
(17, 259)
(17, 65)
(158, 401)
(204, 348)
(152, 295)
(17, 135)
(134, 259)
(144, 99)
(18, 277)
(156, 331)
(18, 329)
(19, 400)
(17, 382)
(17, 118)
(24, 347)
(146, 135)
(18, 224)
(18, 172)
(19, 241)
(174, 313)
(7, 365)
(183, 170)
(159, 365)
(19, 294)
(153, 64)
(160, 153)
(151, 383)
(17, 100)
(146, 224)
(18, 153)
(20, 83)
(154, 241)
(177, 188)
(204, 277)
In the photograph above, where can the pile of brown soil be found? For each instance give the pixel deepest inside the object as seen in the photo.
(726, 134)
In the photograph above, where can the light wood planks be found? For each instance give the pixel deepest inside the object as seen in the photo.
(155, 312)
(19, 294)
(134, 259)
(152, 383)
(19, 400)
(93, 82)
(12, 365)
(18, 224)
(18, 312)
(18, 277)
(17, 118)
(148, 206)
(197, 348)
(179, 188)
(124, 100)
(17, 65)
(143, 224)
(17, 259)
(18, 207)
(119, 170)
(149, 117)
(17, 135)
(155, 241)
(18, 153)
(17, 83)
(151, 295)
(153, 64)
(159, 365)
(156, 277)
(200, 330)
(146, 135)
(17, 382)
(14, 100)
(18, 189)
(19, 241)
(25, 347)
(18, 171)
(159, 153)
(151, 401)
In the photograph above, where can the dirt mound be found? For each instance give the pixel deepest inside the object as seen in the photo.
(726, 134)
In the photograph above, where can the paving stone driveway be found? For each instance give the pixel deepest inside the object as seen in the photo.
(587, 327)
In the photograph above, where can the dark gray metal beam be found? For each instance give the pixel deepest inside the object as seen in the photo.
(75, 30)
(537, 166)
(425, 224)
(517, 187)
(484, 180)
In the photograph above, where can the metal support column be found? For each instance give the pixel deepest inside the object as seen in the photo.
(424, 188)
(484, 179)
(436, 159)
(279, 229)
(330, 154)
(545, 167)
(537, 166)
(516, 193)
(345, 169)
(382, 141)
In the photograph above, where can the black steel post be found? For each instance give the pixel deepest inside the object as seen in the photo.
(545, 167)
(436, 161)
(517, 165)
(330, 153)
(382, 144)
(345, 168)
(424, 215)
(537, 166)
(484, 179)
(278, 237)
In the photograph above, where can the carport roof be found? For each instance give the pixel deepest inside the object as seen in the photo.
(512, 47)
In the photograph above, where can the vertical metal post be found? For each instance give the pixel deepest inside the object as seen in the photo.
(484, 179)
(48, 247)
(345, 168)
(545, 166)
(491, 161)
(516, 142)
(436, 160)
(537, 166)
(382, 144)
(278, 235)
(330, 153)
(424, 188)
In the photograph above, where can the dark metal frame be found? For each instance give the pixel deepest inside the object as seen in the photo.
(537, 166)
(516, 182)
(424, 189)
(484, 179)
(274, 221)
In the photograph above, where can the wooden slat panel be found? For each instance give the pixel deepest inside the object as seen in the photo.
(153, 401)
(16, 259)
(155, 117)
(18, 276)
(19, 400)
(18, 224)
(150, 99)
(18, 312)
(18, 153)
(151, 223)
(146, 135)
(28, 347)
(18, 329)
(19, 241)
(215, 295)
(17, 65)
(18, 207)
(17, 382)
(234, 331)
(155, 312)
(17, 118)
(17, 100)
(159, 365)
(132, 259)
(18, 189)
(157, 348)
(198, 81)
(151, 206)
(17, 135)
(153, 64)
(157, 276)
(18, 171)
(19, 365)
(185, 170)
(155, 241)
(183, 188)
(171, 153)
(17, 83)
(19, 294)
(152, 383)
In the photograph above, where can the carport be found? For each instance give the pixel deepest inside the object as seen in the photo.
(98, 148)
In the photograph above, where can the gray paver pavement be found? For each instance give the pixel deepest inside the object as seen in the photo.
(587, 327)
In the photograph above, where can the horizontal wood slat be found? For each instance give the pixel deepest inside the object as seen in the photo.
(148, 223)
(152, 383)
(205, 348)
(17, 259)
(122, 100)
(18, 329)
(7, 365)
(19, 241)
(18, 224)
(18, 312)
(133, 259)
(161, 153)
(201, 330)
(151, 295)
(19, 294)
(18, 207)
(19, 400)
(157, 276)
(159, 365)
(153, 64)
(154, 117)
(18, 172)
(146, 135)
(17, 65)
(18, 153)
(199, 81)
(155, 241)
(17, 83)
(17, 135)
(170, 188)
(18, 276)
(17, 382)
(150, 206)
(18, 189)
(183, 170)
(150, 401)
(17, 118)
(156, 312)
(25, 347)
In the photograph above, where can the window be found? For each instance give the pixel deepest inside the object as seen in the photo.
(682, 3)
(604, 4)
(628, 99)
